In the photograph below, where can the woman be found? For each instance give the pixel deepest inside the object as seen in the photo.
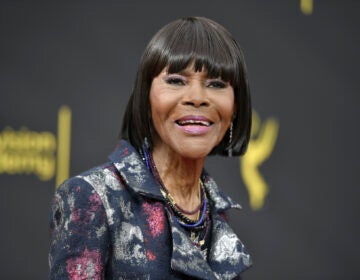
(152, 212)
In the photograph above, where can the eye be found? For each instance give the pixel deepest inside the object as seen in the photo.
(175, 80)
(216, 84)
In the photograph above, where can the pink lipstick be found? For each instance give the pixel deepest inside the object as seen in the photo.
(195, 125)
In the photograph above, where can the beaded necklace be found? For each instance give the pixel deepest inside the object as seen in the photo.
(198, 229)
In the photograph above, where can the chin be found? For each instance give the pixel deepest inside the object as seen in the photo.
(193, 151)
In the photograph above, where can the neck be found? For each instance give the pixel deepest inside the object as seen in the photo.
(181, 177)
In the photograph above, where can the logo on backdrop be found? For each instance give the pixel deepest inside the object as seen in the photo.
(261, 145)
(307, 6)
(30, 152)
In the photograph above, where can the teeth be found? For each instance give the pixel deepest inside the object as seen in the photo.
(205, 123)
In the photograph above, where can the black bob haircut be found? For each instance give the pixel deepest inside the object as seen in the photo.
(204, 44)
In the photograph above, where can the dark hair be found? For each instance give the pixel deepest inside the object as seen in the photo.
(207, 45)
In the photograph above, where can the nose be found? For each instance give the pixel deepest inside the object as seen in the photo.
(195, 95)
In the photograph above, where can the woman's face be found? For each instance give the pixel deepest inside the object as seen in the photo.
(190, 112)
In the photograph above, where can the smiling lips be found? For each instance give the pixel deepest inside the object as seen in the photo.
(195, 125)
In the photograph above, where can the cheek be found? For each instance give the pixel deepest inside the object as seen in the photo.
(159, 114)
(228, 108)
(157, 111)
(154, 116)
(154, 105)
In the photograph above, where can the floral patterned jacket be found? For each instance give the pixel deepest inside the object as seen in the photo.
(111, 223)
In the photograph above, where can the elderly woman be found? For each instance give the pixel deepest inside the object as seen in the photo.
(152, 211)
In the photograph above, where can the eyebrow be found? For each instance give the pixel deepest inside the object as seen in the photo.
(186, 72)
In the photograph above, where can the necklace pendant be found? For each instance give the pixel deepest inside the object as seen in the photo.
(163, 193)
(171, 198)
(192, 236)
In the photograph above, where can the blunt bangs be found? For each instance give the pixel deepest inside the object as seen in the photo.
(206, 46)
(198, 43)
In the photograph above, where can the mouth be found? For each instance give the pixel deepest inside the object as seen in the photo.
(195, 125)
(194, 120)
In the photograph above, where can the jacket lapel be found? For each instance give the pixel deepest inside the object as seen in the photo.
(227, 256)
(186, 258)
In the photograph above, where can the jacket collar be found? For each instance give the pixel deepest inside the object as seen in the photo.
(134, 171)
(227, 255)
(138, 178)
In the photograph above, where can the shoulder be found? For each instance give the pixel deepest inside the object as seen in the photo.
(97, 179)
(89, 190)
